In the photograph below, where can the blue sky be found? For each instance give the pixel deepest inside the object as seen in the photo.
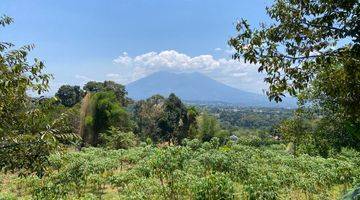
(124, 40)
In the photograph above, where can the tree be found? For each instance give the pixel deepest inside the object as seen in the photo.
(106, 86)
(311, 51)
(192, 115)
(119, 91)
(174, 124)
(297, 130)
(165, 119)
(147, 114)
(104, 112)
(27, 134)
(93, 86)
(208, 127)
(116, 139)
(69, 95)
(306, 37)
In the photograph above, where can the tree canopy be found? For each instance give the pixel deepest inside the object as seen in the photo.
(312, 51)
(27, 133)
(165, 119)
(305, 38)
(102, 112)
(69, 95)
(106, 86)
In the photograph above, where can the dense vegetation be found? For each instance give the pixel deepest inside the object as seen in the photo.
(311, 51)
(233, 117)
(96, 143)
(30, 129)
(193, 171)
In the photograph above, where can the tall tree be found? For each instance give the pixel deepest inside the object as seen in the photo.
(147, 114)
(93, 86)
(165, 119)
(312, 49)
(192, 115)
(104, 112)
(69, 95)
(208, 127)
(305, 38)
(119, 91)
(106, 86)
(174, 124)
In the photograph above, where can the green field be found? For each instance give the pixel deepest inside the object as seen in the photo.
(193, 171)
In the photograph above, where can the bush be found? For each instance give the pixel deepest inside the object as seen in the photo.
(116, 139)
(214, 187)
(193, 171)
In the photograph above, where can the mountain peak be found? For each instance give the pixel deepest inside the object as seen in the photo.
(195, 73)
(193, 86)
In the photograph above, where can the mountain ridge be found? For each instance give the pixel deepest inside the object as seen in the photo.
(196, 87)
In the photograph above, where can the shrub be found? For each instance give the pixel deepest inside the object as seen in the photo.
(116, 139)
(214, 187)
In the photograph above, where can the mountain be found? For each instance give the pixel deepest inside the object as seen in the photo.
(196, 87)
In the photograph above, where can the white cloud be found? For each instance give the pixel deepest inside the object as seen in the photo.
(235, 73)
(124, 59)
(111, 75)
(240, 74)
(83, 78)
(217, 49)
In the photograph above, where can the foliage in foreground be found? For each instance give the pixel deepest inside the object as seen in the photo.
(311, 50)
(194, 171)
(29, 130)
